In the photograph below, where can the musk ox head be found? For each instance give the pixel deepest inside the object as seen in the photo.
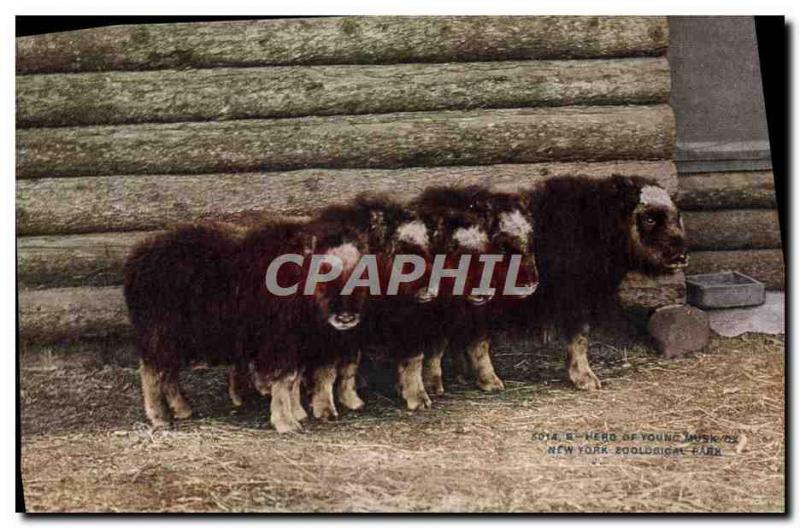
(402, 242)
(656, 236)
(514, 236)
(334, 305)
(397, 236)
(464, 234)
(507, 221)
(511, 232)
(411, 239)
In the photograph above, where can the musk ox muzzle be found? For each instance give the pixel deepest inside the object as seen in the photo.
(479, 299)
(426, 295)
(344, 320)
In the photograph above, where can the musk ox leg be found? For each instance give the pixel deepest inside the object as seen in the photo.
(462, 366)
(346, 390)
(280, 408)
(240, 382)
(432, 369)
(298, 411)
(261, 382)
(410, 383)
(322, 404)
(172, 391)
(481, 362)
(578, 368)
(154, 405)
(234, 390)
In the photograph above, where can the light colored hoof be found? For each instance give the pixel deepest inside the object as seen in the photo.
(435, 386)
(421, 400)
(491, 384)
(236, 400)
(300, 414)
(287, 426)
(585, 380)
(182, 413)
(324, 411)
(351, 401)
(160, 423)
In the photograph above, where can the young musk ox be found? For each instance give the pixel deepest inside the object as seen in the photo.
(509, 226)
(589, 234)
(178, 290)
(397, 315)
(197, 294)
(301, 334)
(458, 230)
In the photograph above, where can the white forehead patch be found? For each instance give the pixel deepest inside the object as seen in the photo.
(472, 238)
(347, 253)
(653, 195)
(414, 233)
(515, 224)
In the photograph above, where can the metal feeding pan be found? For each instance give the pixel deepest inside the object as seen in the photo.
(728, 289)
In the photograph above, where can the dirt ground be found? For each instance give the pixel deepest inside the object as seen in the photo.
(86, 447)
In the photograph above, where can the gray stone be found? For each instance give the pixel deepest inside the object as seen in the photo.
(769, 318)
(679, 329)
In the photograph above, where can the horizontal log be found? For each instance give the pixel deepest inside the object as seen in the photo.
(733, 229)
(349, 40)
(765, 265)
(96, 259)
(69, 314)
(130, 203)
(478, 137)
(727, 190)
(247, 93)
(82, 260)
(63, 315)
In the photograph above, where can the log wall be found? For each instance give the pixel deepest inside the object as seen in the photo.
(130, 129)
(732, 222)
(341, 40)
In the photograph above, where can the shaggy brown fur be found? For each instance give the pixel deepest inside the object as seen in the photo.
(409, 329)
(461, 318)
(291, 335)
(589, 234)
(178, 290)
(506, 217)
(198, 295)
(390, 320)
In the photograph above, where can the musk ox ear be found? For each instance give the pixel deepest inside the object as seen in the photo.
(524, 199)
(627, 189)
(363, 238)
(311, 245)
(438, 230)
(528, 197)
(377, 225)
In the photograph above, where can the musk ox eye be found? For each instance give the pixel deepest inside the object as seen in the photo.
(649, 220)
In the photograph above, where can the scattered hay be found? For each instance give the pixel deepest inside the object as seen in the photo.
(86, 446)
